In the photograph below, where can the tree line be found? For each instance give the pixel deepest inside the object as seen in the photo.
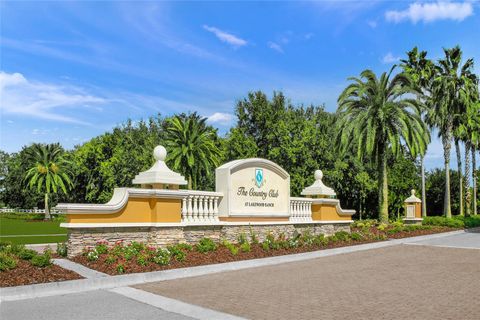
(371, 149)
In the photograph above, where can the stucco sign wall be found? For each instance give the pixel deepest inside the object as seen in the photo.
(253, 187)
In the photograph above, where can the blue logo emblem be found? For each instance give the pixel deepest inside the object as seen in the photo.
(259, 177)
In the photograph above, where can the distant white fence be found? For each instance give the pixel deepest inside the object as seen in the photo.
(34, 210)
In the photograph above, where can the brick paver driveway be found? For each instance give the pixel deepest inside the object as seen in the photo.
(398, 282)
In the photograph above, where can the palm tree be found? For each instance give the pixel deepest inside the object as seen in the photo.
(192, 147)
(475, 147)
(47, 171)
(449, 80)
(421, 71)
(375, 113)
(469, 132)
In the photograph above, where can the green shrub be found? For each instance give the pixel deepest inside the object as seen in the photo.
(265, 245)
(137, 247)
(27, 254)
(242, 238)
(92, 255)
(7, 261)
(444, 222)
(320, 240)
(271, 242)
(4, 244)
(293, 242)
(230, 246)
(397, 223)
(177, 252)
(13, 248)
(62, 249)
(307, 238)
(355, 236)
(110, 259)
(382, 227)
(472, 221)
(161, 257)
(206, 245)
(42, 260)
(120, 268)
(245, 247)
(342, 235)
(101, 248)
(396, 229)
(253, 237)
(142, 259)
(332, 239)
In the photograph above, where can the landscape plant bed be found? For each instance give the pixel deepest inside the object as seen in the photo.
(21, 266)
(25, 274)
(137, 257)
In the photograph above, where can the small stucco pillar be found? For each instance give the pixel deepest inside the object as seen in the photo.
(413, 209)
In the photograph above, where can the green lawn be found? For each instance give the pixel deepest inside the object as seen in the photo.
(31, 231)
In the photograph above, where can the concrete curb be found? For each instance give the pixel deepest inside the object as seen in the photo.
(109, 282)
(172, 305)
(42, 246)
(78, 268)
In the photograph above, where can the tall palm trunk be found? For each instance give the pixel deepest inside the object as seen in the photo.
(383, 189)
(424, 193)
(474, 178)
(460, 176)
(467, 179)
(47, 208)
(447, 145)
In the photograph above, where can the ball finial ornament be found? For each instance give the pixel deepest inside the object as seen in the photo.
(318, 175)
(413, 192)
(160, 153)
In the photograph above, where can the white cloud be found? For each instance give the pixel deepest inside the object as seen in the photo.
(41, 100)
(372, 24)
(308, 36)
(226, 37)
(390, 58)
(220, 118)
(432, 11)
(275, 46)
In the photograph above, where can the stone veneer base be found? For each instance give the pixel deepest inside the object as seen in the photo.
(80, 238)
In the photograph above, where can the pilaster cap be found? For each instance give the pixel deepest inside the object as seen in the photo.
(412, 198)
(318, 188)
(159, 173)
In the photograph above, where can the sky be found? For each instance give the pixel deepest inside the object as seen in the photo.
(70, 71)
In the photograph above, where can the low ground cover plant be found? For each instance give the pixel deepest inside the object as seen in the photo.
(137, 257)
(11, 253)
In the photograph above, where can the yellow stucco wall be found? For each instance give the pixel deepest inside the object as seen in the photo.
(326, 212)
(418, 210)
(136, 210)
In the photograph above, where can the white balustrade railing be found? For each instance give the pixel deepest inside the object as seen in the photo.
(34, 210)
(300, 209)
(200, 206)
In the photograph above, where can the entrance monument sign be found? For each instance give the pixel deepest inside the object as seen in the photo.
(253, 188)
(252, 196)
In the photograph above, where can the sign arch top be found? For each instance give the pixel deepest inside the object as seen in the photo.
(253, 187)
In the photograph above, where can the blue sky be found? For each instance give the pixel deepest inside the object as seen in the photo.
(73, 70)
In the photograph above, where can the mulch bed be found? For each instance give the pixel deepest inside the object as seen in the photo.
(25, 273)
(222, 254)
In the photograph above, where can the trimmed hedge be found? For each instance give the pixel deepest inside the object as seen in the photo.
(454, 222)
